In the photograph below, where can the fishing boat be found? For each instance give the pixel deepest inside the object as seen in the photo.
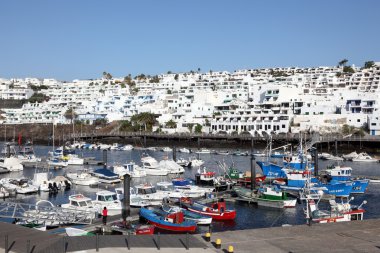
(82, 178)
(107, 199)
(204, 177)
(134, 199)
(338, 212)
(216, 210)
(82, 203)
(149, 192)
(188, 216)
(343, 174)
(364, 157)
(171, 221)
(106, 176)
(271, 196)
(271, 170)
(19, 185)
(184, 150)
(131, 168)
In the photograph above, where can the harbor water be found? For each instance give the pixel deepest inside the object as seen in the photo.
(248, 215)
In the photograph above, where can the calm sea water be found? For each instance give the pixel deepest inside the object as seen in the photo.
(248, 215)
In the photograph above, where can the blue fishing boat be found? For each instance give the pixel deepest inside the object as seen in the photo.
(343, 174)
(271, 170)
(339, 189)
(168, 221)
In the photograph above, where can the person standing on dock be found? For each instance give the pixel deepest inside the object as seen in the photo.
(105, 214)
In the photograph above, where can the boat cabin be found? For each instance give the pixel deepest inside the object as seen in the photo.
(106, 196)
(176, 218)
(145, 189)
(80, 201)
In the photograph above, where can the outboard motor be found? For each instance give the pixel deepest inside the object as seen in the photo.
(67, 185)
(55, 188)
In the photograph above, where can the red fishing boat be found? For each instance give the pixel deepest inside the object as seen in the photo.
(216, 210)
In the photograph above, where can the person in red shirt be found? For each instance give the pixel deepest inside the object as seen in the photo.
(105, 214)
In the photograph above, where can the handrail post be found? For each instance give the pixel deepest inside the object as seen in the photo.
(6, 244)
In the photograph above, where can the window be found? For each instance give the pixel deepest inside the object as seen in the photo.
(358, 120)
(283, 126)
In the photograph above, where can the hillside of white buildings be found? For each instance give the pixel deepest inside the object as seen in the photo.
(270, 100)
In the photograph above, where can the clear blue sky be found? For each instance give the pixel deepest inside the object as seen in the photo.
(82, 38)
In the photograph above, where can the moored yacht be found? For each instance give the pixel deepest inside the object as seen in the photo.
(364, 157)
(82, 178)
(19, 185)
(152, 167)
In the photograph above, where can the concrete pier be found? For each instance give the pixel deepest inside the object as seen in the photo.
(356, 236)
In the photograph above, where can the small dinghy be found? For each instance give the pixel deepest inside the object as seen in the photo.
(216, 210)
(77, 232)
(171, 221)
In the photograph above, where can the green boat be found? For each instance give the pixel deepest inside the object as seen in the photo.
(234, 173)
(271, 196)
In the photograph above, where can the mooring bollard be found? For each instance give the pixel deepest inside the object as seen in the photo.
(6, 244)
(158, 241)
(230, 249)
(27, 246)
(208, 237)
(97, 242)
(187, 241)
(218, 243)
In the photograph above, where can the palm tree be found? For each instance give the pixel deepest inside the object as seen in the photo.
(171, 124)
(343, 62)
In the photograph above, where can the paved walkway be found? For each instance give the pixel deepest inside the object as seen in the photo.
(356, 236)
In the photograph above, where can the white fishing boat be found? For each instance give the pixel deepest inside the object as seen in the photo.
(150, 193)
(11, 164)
(152, 167)
(350, 156)
(19, 185)
(132, 169)
(82, 203)
(364, 157)
(82, 178)
(107, 199)
(184, 150)
(135, 200)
